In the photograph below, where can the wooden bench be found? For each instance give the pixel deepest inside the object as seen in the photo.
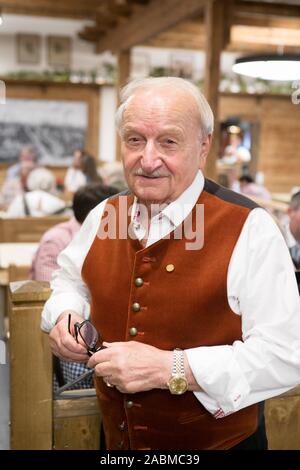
(27, 229)
(40, 422)
(37, 420)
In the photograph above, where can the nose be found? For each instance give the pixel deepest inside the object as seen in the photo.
(150, 160)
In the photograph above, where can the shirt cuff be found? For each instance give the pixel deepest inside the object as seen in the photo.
(56, 304)
(224, 386)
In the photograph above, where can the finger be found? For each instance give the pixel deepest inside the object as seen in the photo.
(103, 370)
(71, 344)
(59, 349)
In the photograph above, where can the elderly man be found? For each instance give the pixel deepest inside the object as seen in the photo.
(197, 329)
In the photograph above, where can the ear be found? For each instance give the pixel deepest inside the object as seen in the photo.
(204, 150)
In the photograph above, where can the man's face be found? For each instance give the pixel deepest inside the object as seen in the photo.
(294, 215)
(161, 144)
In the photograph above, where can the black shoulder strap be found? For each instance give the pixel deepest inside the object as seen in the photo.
(26, 206)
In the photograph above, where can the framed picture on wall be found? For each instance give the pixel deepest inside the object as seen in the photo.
(59, 51)
(28, 48)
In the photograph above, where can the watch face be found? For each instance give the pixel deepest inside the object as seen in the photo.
(178, 385)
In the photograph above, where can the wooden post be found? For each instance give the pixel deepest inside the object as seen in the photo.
(31, 368)
(217, 32)
(123, 75)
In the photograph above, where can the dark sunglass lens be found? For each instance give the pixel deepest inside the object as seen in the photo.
(89, 334)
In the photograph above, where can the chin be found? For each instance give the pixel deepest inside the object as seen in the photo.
(150, 197)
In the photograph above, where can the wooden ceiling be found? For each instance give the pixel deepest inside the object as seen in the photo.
(121, 24)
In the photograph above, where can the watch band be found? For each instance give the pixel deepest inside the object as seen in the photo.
(178, 362)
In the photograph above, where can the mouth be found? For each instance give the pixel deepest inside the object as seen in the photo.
(151, 177)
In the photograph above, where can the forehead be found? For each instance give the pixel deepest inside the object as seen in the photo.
(160, 107)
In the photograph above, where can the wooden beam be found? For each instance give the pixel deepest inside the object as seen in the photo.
(76, 4)
(191, 35)
(267, 21)
(123, 75)
(271, 9)
(215, 20)
(66, 9)
(157, 16)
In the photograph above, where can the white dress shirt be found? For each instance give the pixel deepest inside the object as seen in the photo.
(261, 287)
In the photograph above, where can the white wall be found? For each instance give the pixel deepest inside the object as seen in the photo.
(107, 132)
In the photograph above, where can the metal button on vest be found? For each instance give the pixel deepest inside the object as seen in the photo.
(122, 426)
(120, 445)
(136, 307)
(139, 282)
(129, 404)
(170, 268)
(133, 331)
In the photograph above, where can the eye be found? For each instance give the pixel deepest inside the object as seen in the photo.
(133, 140)
(168, 142)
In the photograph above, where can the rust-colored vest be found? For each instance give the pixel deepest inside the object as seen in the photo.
(184, 308)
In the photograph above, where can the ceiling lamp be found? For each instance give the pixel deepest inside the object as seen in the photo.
(269, 67)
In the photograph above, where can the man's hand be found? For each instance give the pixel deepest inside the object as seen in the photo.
(132, 367)
(136, 367)
(64, 345)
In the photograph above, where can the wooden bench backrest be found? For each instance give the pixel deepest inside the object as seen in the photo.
(27, 229)
(37, 421)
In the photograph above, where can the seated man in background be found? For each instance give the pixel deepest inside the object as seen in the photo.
(291, 229)
(52, 243)
(291, 232)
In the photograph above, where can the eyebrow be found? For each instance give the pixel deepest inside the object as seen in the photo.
(168, 130)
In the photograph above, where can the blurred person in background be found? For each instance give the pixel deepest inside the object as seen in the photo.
(250, 188)
(17, 185)
(27, 154)
(89, 169)
(291, 229)
(52, 243)
(39, 200)
(112, 174)
(75, 177)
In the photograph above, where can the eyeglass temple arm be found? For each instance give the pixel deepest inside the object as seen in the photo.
(73, 382)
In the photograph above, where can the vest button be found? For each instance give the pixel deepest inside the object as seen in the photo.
(129, 404)
(136, 307)
(122, 426)
(120, 445)
(170, 268)
(139, 282)
(133, 331)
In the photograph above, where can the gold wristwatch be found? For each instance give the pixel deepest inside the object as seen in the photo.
(178, 383)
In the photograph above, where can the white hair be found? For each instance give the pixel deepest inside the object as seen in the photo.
(205, 113)
(41, 179)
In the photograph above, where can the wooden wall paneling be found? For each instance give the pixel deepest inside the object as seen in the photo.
(280, 142)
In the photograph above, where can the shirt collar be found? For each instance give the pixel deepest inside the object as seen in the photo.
(179, 209)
